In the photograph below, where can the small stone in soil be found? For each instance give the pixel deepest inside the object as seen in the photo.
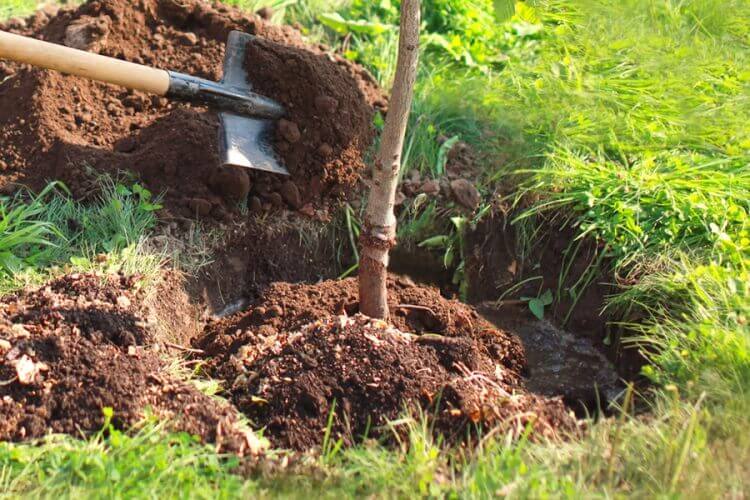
(290, 192)
(199, 206)
(308, 210)
(188, 38)
(231, 182)
(265, 13)
(275, 311)
(465, 193)
(289, 131)
(431, 187)
(276, 199)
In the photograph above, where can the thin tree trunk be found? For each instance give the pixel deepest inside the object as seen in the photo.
(379, 232)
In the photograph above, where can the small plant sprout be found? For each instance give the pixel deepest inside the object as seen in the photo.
(537, 305)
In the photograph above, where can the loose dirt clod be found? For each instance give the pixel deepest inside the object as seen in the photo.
(80, 344)
(54, 126)
(302, 347)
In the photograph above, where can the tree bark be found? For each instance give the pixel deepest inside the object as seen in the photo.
(379, 231)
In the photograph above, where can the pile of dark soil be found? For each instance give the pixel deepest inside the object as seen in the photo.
(302, 347)
(80, 344)
(55, 127)
(327, 127)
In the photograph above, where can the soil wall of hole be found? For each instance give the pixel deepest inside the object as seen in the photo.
(260, 252)
(493, 266)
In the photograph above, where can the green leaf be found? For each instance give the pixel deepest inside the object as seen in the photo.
(536, 306)
(547, 298)
(150, 207)
(504, 9)
(436, 242)
(448, 257)
(442, 159)
(142, 192)
(343, 26)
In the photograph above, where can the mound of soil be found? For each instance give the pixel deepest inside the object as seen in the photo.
(59, 127)
(328, 124)
(80, 344)
(302, 347)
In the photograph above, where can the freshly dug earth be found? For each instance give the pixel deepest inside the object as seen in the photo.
(60, 127)
(302, 347)
(249, 258)
(327, 127)
(81, 344)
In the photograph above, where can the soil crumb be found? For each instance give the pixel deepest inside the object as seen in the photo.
(83, 343)
(55, 127)
(301, 353)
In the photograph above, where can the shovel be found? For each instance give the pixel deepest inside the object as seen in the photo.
(245, 117)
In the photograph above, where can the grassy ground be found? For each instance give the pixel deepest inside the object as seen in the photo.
(625, 120)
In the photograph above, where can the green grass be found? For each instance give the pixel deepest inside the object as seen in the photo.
(17, 8)
(625, 120)
(148, 463)
(48, 233)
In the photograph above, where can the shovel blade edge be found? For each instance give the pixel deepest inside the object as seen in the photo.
(246, 142)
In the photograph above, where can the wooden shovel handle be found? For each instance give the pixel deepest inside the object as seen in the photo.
(85, 64)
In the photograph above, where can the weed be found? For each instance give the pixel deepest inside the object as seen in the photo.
(537, 305)
(26, 237)
(48, 233)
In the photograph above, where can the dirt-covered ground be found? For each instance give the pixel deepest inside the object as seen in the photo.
(58, 127)
(300, 348)
(83, 343)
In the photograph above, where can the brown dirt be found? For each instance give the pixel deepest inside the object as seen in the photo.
(298, 348)
(491, 252)
(54, 126)
(328, 126)
(263, 251)
(82, 343)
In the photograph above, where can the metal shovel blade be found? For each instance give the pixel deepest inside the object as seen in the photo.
(243, 141)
